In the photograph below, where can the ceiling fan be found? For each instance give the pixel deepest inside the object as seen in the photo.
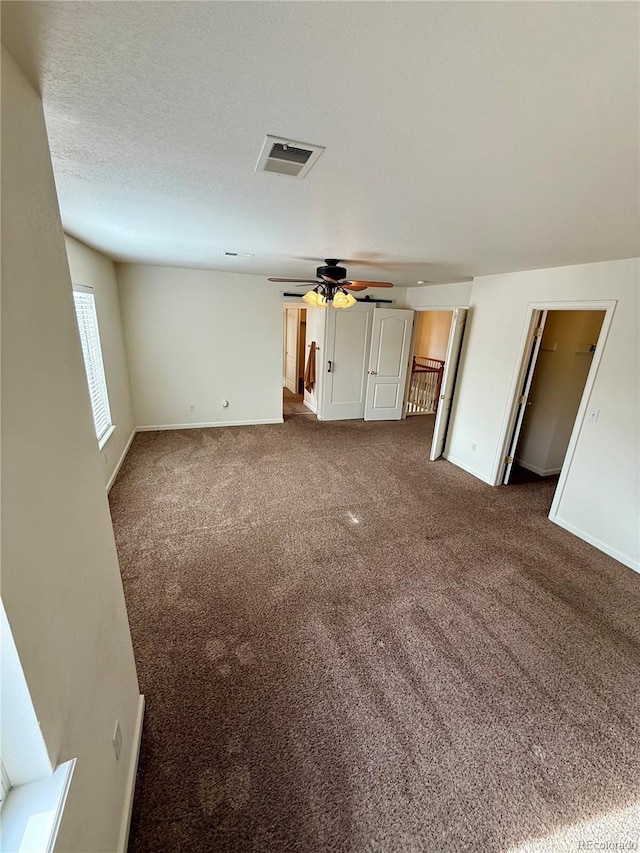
(332, 286)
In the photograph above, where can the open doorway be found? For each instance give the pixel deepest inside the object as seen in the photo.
(558, 363)
(437, 344)
(427, 365)
(294, 338)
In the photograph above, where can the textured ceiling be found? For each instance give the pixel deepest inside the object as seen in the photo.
(461, 138)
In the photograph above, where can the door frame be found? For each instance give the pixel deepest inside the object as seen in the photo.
(288, 305)
(511, 410)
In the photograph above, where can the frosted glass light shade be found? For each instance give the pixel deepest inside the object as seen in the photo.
(313, 298)
(343, 300)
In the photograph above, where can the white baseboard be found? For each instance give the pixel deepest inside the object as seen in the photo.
(112, 478)
(314, 409)
(125, 824)
(259, 422)
(601, 546)
(541, 472)
(467, 468)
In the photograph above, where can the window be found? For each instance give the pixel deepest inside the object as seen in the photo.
(90, 339)
(33, 791)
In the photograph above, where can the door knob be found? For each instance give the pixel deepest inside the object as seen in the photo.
(372, 373)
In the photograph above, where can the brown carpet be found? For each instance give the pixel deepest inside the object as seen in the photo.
(292, 404)
(345, 647)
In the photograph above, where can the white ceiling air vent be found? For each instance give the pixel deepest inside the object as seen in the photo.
(287, 157)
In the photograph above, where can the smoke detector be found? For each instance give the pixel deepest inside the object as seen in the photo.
(287, 157)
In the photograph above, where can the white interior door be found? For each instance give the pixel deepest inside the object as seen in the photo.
(388, 363)
(344, 362)
(451, 360)
(534, 343)
(292, 327)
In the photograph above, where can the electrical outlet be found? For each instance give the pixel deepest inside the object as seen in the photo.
(105, 456)
(192, 407)
(117, 740)
(474, 447)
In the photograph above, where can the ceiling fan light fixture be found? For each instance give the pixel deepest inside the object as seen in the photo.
(314, 298)
(343, 299)
(331, 281)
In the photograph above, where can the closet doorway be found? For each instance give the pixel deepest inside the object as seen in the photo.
(558, 363)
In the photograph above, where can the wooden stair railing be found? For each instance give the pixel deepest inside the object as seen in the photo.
(424, 388)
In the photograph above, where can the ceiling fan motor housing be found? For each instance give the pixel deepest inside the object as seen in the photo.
(332, 272)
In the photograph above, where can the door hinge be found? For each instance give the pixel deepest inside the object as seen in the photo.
(523, 399)
(508, 459)
(539, 332)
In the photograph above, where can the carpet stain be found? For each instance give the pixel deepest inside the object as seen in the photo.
(216, 649)
(211, 791)
(229, 788)
(224, 670)
(238, 786)
(245, 654)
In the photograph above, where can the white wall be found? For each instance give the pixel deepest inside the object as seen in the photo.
(89, 267)
(559, 378)
(600, 499)
(455, 295)
(61, 585)
(196, 337)
(432, 333)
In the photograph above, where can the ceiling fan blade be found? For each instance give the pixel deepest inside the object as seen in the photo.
(361, 285)
(293, 280)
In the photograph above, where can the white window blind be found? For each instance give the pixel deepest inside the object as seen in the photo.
(90, 339)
